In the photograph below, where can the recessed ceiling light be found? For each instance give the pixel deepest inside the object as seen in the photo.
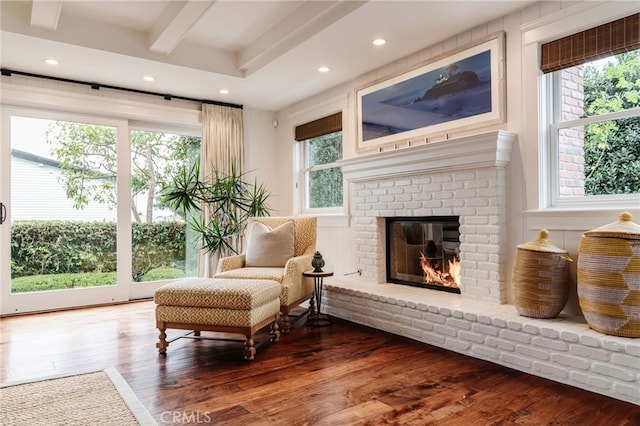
(51, 61)
(379, 42)
(148, 78)
(323, 69)
(224, 91)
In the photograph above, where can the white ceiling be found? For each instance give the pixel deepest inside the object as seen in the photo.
(266, 53)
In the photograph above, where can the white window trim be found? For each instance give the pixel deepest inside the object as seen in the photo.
(334, 216)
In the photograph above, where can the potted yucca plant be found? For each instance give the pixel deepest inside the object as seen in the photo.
(218, 206)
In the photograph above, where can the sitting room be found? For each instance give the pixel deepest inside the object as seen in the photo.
(312, 212)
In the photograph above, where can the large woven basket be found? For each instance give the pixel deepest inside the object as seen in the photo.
(540, 278)
(609, 277)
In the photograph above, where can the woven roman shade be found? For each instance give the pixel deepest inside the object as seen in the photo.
(605, 40)
(319, 127)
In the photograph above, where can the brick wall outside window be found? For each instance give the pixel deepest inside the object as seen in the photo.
(571, 141)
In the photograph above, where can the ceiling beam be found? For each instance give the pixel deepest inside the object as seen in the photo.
(45, 14)
(304, 22)
(75, 32)
(174, 23)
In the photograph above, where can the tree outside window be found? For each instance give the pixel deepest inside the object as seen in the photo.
(323, 176)
(597, 127)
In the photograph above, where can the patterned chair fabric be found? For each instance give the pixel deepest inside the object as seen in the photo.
(295, 288)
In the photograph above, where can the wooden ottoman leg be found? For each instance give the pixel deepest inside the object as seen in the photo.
(275, 330)
(249, 349)
(286, 322)
(162, 342)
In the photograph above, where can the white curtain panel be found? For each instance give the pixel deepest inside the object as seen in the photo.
(222, 143)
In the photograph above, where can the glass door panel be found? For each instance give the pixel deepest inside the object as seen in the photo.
(163, 245)
(62, 209)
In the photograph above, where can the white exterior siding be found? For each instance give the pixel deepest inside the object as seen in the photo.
(38, 194)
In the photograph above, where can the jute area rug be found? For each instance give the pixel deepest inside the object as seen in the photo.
(97, 398)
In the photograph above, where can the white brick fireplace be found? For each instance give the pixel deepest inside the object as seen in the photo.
(465, 177)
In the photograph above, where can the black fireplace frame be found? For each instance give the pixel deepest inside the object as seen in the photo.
(388, 221)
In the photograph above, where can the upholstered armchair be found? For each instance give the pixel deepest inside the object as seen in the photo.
(278, 249)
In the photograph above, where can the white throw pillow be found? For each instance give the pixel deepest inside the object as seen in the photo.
(270, 247)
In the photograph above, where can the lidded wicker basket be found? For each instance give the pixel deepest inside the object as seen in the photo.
(609, 277)
(540, 278)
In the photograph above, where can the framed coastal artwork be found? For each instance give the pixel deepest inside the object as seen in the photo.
(459, 90)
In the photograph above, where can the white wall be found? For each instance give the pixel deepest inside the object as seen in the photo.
(262, 161)
(524, 31)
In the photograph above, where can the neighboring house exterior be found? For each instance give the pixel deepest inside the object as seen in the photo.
(37, 192)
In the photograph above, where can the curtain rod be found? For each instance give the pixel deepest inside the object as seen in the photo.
(97, 86)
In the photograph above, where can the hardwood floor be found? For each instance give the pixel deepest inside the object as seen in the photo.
(344, 374)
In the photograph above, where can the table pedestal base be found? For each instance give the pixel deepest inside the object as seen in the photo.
(315, 318)
(318, 320)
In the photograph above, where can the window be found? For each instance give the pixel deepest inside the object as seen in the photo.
(594, 115)
(322, 177)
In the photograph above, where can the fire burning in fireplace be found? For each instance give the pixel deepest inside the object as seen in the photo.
(424, 252)
(435, 273)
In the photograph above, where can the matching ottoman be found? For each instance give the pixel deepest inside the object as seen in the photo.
(224, 305)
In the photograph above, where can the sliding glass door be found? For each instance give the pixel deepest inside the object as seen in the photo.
(85, 223)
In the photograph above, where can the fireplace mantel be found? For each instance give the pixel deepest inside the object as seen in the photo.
(476, 151)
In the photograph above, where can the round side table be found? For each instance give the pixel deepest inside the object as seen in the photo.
(318, 319)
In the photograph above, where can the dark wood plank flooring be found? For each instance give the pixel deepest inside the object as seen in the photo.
(344, 374)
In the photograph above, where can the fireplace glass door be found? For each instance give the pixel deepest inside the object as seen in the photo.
(424, 252)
